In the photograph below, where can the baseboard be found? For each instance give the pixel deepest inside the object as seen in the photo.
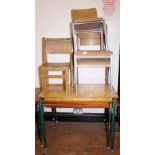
(70, 117)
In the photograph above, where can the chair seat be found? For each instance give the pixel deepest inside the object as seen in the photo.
(55, 66)
(93, 54)
(93, 63)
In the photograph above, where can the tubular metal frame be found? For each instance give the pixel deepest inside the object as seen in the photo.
(103, 31)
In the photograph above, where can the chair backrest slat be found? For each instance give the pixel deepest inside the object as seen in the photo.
(89, 39)
(56, 46)
(84, 14)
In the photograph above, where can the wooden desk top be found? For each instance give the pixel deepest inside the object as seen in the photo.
(86, 92)
(89, 96)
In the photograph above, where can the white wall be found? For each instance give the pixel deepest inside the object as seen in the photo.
(52, 20)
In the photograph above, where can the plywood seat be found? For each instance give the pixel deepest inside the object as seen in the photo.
(93, 63)
(94, 54)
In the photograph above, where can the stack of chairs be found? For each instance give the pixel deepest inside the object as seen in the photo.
(89, 30)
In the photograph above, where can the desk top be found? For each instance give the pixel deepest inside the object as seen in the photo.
(86, 92)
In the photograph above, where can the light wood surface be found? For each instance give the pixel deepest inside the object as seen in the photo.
(89, 39)
(86, 27)
(58, 45)
(94, 54)
(58, 66)
(37, 92)
(89, 96)
(84, 14)
(93, 63)
(87, 20)
(86, 92)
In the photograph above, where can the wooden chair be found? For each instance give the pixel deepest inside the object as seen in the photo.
(56, 46)
(89, 30)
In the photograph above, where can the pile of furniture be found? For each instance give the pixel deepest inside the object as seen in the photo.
(87, 30)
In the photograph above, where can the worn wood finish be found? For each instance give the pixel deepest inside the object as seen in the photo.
(89, 96)
(56, 46)
(87, 93)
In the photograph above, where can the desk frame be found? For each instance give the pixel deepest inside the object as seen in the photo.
(110, 124)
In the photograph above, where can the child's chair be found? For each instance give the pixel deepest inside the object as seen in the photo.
(56, 46)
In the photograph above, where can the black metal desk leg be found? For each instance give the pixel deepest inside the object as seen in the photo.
(41, 118)
(113, 126)
(54, 114)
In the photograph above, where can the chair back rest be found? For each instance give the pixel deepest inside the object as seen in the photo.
(88, 39)
(84, 14)
(56, 46)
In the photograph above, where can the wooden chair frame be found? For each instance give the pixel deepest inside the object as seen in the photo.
(56, 46)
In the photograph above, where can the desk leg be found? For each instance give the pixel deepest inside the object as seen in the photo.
(108, 127)
(113, 126)
(41, 122)
(54, 114)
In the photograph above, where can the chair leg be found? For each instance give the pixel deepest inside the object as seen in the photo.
(43, 81)
(77, 76)
(76, 81)
(71, 71)
(106, 75)
(66, 81)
